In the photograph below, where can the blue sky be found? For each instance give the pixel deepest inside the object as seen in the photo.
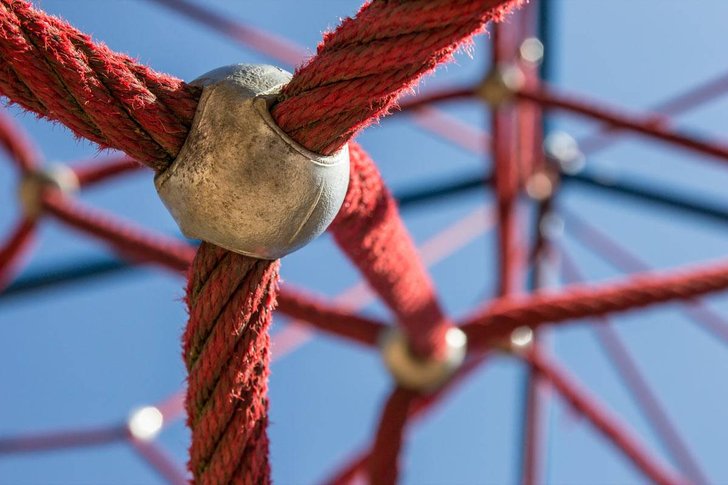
(86, 354)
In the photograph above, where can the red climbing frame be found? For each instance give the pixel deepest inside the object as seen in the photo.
(59, 73)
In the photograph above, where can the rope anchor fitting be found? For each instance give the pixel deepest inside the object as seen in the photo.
(417, 373)
(239, 181)
(33, 184)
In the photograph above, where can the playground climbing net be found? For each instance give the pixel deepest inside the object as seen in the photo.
(357, 75)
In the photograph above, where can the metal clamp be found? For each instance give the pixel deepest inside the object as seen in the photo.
(419, 374)
(239, 181)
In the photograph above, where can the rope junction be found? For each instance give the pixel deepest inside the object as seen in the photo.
(357, 75)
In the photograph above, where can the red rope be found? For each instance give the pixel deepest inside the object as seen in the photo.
(363, 66)
(416, 409)
(505, 168)
(635, 382)
(131, 243)
(383, 462)
(92, 173)
(334, 320)
(280, 49)
(101, 95)
(491, 325)
(17, 145)
(603, 421)
(13, 250)
(143, 247)
(63, 439)
(622, 259)
(368, 228)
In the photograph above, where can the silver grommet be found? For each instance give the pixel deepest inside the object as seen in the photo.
(56, 176)
(239, 181)
(412, 372)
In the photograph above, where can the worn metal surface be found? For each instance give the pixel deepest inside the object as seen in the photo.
(239, 181)
(56, 176)
(412, 372)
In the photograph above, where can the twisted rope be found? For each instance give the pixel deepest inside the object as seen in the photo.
(578, 301)
(369, 230)
(362, 67)
(59, 73)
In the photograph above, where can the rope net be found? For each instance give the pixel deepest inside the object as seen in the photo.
(357, 75)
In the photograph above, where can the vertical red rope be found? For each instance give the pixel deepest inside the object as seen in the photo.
(382, 464)
(505, 165)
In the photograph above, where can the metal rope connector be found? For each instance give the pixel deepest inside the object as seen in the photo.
(54, 177)
(416, 373)
(500, 85)
(239, 181)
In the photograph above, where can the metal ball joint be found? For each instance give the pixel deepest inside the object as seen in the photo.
(56, 177)
(501, 84)
(412, 372)
(239, 181)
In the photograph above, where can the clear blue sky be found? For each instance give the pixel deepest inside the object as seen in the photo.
(87, 354)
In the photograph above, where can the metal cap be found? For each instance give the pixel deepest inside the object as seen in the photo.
(239, 181)
(419, 374)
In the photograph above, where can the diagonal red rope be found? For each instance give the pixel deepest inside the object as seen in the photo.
(604, 422)
(369, 230)
(363, 66)
(383, 463)
(58, 72)
(637, 384)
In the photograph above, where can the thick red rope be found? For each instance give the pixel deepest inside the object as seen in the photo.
(58, 72)
(368, 228)
(496, 322)
(363, 66)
